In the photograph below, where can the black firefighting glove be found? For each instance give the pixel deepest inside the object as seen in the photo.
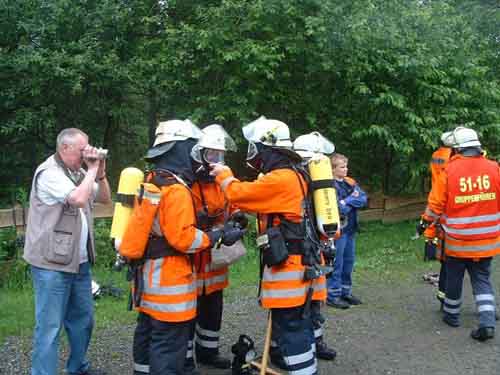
(240, 219)
(215, 237)
(231, 234)
(227, 236)
(422, 226)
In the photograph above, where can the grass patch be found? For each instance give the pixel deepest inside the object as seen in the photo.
(384, 252)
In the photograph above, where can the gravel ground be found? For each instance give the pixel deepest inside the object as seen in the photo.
(398, 330)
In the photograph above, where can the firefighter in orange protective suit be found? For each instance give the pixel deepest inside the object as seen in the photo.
(165, 284)
(277, 197)
(212, 211)
(466, 201)
(432, 233)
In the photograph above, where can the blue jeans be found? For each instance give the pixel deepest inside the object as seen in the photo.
(62, 298)
(340, 282)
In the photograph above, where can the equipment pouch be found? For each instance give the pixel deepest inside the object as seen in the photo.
(276, 251)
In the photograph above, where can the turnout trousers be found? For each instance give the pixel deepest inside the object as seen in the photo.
(160, 347)
(441, 293)
(205, 329)
(293, 339)
(317, 321)
(479, 272)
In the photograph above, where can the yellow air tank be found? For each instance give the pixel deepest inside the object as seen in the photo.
(130, 179)
(324, 195)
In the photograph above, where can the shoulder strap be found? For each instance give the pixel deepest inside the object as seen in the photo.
(75, 178)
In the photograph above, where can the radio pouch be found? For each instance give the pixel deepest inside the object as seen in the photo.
(275, 252)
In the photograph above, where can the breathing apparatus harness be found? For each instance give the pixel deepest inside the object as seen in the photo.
(295, 238)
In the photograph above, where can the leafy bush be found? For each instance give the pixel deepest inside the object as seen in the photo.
(13, 271)
(106, 253)
(8, 245)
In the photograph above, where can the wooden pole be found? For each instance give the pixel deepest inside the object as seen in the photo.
(267, 344)
(269, 371)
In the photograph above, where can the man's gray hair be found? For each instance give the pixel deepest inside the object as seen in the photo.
(67, 136)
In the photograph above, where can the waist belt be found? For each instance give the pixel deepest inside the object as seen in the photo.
(158, 247)
(295, 247)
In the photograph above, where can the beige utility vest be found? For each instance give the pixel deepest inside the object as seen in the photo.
(53, 231)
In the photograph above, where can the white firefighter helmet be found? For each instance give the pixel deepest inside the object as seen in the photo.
(268, 132)
(447, 139)
(463, 137)
(212, 145)
(168, 132)
(313, 143)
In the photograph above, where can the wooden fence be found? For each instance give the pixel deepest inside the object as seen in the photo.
(382, 208)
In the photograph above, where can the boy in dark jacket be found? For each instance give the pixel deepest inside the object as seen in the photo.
(350, 197)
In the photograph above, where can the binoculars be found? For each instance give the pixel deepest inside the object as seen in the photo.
(102, 154)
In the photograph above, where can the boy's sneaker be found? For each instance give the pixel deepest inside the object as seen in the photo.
(338, 303)
(483, 333)
(352, 300)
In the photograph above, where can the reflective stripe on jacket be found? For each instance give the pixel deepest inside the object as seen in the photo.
(209, 281)
(279, 193)
(467, 198)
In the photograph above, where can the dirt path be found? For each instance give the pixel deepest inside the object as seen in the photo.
(397, 331)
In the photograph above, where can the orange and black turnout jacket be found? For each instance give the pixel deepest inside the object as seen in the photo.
(169, 282)
(277, 194)
(466, 201)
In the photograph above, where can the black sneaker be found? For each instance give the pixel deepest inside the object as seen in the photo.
(338, 303)
(452, 322)
(352, 300)
(216, 361)
(324, 352)
(483, 333)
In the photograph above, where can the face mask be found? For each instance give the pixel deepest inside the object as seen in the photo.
(252, 151)
(212, 156)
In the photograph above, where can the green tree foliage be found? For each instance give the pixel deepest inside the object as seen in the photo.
(382, 79)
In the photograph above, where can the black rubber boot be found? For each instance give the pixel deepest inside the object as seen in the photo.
(452, 322)
(216, 361)
(324, 352)
(483, 333)
(190, 367)
(278, 361)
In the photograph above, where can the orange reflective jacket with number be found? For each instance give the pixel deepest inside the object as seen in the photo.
(169, 292)
(466, 198)
(209, 199)
(279, 193)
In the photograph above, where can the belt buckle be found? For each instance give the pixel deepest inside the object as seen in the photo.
(262, 240)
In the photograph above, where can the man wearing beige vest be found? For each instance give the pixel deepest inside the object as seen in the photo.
(60, 249)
